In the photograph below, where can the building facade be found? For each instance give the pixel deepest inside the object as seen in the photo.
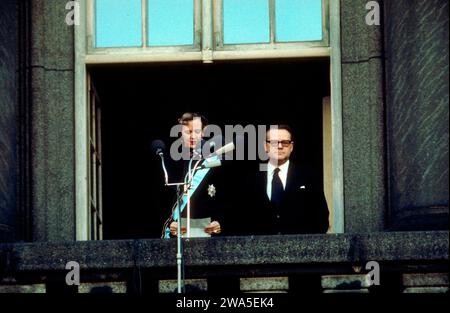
(387, 129)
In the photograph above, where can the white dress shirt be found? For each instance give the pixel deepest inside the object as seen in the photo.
(282, 173)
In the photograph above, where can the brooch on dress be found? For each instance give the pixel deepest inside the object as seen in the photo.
(211, 191)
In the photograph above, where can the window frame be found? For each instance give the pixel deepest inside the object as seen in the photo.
(91, 34)
(85, 56)
(207, 46)
(218, 26)
(95, 164)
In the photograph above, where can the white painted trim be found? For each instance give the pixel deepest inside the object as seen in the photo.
(144, 27)
(197, 24)
(272, 54)
(218, 23)
(142, 57)
(90, 22)
(336, 118)
(272, 21)
(130, 57)
(207, 31)
(81, 146)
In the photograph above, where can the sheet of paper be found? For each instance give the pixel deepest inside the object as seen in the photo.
(197, 227)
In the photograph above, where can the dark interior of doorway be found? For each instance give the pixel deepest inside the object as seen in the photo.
(142, 102)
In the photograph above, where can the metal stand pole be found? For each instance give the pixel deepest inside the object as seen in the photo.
(186, 187)
(179, 256)
(180, 263)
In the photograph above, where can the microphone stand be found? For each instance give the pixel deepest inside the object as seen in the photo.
(179, 255)
(186, 186)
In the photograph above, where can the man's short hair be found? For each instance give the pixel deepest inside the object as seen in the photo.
(189, 116)
(283, 126)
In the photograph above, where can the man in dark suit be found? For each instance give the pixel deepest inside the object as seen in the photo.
(287, 198)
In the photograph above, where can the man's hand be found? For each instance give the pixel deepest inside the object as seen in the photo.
(213, 228)
(174, 229)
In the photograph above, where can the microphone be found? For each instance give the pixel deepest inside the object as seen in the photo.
(210, 163)
(225, 149)
(209, 146)
(213, 160)
(216, 145)
(158, 147)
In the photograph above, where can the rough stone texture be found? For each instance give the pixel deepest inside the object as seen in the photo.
(8, 118)
(327, 254)
(425, 280)
(239, 257)
(171, 286)
(426, 290)
(417, 111)
(264, 284)
(53, 175)
(37, 288)
(103, 287)
(363, 120)
(346, 282)
(346, 291)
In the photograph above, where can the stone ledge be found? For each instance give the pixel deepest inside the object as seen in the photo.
(426, 290)
(245, 253)
(425, 280)
(345, 282)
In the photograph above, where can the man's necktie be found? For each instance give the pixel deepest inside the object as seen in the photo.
(277, 187)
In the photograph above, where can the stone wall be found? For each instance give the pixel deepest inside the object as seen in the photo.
(417, 55)
(52, 135)
(363, 120)
(8, 119)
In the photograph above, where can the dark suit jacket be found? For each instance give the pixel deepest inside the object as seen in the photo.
(203, 203)
(303, 209)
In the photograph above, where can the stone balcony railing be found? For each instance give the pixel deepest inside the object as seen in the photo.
(412, 261)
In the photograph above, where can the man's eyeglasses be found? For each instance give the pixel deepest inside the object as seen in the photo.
(276, 143)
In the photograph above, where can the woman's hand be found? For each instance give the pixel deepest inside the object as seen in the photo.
(213, 228)
(174, 229)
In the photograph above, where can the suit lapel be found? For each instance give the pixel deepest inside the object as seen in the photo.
(290, 177)
(262, 184)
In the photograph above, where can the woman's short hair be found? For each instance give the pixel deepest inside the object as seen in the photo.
(190, 116)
